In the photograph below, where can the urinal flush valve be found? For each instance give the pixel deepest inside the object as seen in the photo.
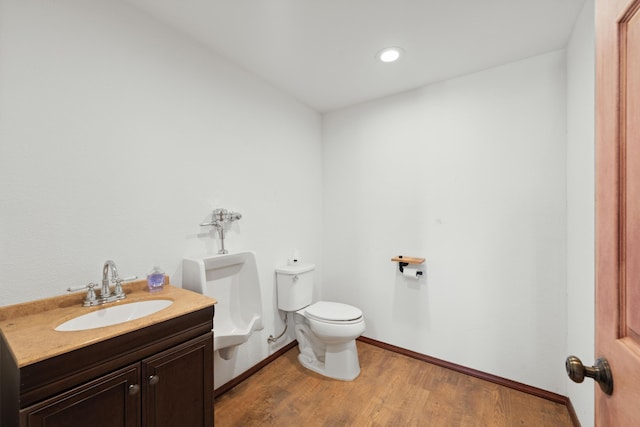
(223, 215)
(219, 218)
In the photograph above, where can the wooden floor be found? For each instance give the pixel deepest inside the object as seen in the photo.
(392, 390)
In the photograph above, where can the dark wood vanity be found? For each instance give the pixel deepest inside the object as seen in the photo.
(157, 375)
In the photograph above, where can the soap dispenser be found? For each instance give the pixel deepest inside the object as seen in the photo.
(155, 279)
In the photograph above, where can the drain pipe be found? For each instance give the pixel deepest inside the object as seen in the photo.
(273, 339)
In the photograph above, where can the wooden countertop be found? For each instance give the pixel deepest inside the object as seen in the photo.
(29, 328)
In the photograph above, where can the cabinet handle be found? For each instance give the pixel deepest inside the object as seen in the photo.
(153, 379)
(134, 389)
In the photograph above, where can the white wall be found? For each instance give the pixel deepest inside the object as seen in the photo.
(470, 174)
(580, 205)
(118, 137)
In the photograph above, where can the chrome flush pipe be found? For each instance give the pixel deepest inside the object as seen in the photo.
(219, 218)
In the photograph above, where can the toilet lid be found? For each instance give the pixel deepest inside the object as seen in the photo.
(333, 311)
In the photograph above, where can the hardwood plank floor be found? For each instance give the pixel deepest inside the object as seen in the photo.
(392, 390)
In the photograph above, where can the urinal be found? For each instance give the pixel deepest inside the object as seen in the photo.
(232, 279)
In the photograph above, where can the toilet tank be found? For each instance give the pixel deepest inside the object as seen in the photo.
(294, 286)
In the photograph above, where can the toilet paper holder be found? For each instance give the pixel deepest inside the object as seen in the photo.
(404, 261)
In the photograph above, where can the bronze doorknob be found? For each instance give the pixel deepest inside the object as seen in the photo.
(600, 372)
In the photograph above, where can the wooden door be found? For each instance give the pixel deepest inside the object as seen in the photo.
(618, 208)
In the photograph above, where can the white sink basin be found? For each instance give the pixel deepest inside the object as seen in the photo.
(114, 315)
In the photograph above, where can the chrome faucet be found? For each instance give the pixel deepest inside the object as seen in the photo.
(105, 293)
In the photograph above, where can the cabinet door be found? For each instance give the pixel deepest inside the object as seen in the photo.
(177, 385)
(109, 401)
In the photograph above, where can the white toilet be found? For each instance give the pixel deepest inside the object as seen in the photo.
(326, 331)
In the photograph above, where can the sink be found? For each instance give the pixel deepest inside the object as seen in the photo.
(114, 315)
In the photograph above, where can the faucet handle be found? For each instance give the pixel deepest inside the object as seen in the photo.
(90, 299)
(118, 290)
(117, 280)
(80, 288)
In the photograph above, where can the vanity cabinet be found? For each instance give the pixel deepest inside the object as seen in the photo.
(160, 375)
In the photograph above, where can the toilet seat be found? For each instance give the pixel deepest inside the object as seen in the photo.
(333, 312)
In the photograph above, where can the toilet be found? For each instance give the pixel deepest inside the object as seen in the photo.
(326, 331)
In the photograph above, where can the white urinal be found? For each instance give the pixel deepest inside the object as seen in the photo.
(232, 279)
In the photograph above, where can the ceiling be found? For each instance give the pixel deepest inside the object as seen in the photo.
(322, 52)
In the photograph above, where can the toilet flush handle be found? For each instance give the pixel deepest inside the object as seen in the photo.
(295, 278)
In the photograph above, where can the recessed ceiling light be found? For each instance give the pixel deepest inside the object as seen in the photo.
(390, 54)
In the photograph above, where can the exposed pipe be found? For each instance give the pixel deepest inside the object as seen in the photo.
(271, 338)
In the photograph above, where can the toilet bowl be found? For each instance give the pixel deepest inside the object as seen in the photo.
(326, 331)
(334, 322)
(328, 346)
